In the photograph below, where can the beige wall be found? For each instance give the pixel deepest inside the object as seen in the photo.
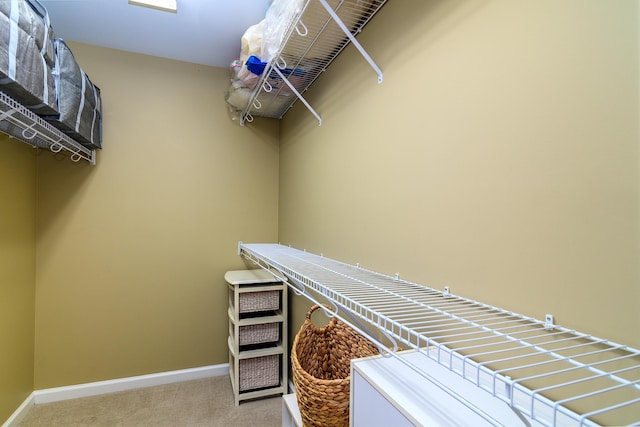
(132, 251)
(500, 157)
(17, 272)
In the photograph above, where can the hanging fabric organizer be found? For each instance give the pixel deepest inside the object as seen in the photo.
(298, 40)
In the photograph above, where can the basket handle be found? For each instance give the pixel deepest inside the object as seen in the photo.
(311, 310)
(333, 320)
(330, 313)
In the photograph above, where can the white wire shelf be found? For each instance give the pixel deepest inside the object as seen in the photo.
(20, 123)
(314, 38)
(552, 375)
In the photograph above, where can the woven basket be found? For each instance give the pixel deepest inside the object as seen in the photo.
(251, 302)
(262, 333)
(320, 361)
(259, 372)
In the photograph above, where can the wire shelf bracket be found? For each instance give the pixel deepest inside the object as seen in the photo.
(352, 39)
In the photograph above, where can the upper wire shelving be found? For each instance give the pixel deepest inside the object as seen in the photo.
(550, 375)
(313, 39)
(20, 123)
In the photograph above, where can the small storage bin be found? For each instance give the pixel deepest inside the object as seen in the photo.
(262, 333)
(259, 372)
(252, 302)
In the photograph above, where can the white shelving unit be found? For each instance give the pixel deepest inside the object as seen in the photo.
(547, 374)
(22, 124)
(314, 38)
(257, 340)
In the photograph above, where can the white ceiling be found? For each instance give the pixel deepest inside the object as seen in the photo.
(202, 31)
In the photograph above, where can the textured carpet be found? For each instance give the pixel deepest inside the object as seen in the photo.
(199, 403)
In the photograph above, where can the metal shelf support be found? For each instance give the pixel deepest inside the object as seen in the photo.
(353, 40)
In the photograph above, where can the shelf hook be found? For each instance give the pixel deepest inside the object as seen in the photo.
(304, 31)
(257, 104)
(267, 86)
(56, 147)
(29, 132)
(284, 63)
(76, 157)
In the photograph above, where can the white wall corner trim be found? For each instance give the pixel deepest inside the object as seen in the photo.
(21, 412)
(109, 386)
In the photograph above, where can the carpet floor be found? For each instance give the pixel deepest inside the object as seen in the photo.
(199, 403)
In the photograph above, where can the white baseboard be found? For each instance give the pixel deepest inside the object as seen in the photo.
(21, 412)
(102, 387)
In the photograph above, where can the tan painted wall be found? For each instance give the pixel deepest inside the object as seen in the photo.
(500, 157)
(132, 251)
(17, 272)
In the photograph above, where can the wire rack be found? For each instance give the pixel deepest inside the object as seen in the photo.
(312, 41)
(19, 122)
(551, 375)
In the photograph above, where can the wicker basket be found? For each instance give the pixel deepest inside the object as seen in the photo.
(251, 302)
(259, 372)
(320, 361)
(261, 333)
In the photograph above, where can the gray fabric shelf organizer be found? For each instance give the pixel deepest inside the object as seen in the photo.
(40, 72)
(79, 100)
(27, 56)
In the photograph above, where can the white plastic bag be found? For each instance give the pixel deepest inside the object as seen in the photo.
(251, 42)
(277, 20)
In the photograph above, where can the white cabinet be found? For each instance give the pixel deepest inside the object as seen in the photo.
(290, 413)
(387, 392)
(257, 334)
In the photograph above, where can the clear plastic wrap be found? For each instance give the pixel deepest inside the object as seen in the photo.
(238, 94)
(276, 22)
